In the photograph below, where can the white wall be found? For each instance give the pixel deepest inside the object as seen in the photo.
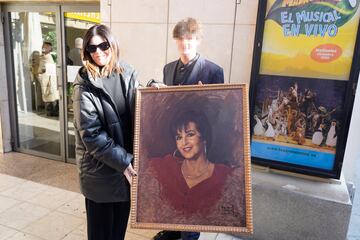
(351, 164)
(4, 101)
(144, 29)
(244, 41)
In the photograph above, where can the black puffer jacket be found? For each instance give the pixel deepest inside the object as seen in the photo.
(100, 154)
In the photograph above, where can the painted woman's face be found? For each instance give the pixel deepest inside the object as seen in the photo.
(102, 53)
(189, 142)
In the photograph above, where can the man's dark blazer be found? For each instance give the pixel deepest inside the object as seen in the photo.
(205, 71)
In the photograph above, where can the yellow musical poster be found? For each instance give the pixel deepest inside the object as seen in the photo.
(310, 38)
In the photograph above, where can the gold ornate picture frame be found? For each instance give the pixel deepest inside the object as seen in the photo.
(165, 193)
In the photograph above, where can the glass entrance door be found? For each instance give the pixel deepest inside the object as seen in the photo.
(44, 43)
(36, 59)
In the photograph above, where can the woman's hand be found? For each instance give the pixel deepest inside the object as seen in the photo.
(129, 173)
(157, 85)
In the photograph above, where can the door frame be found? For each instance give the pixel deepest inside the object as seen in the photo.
(59, 10)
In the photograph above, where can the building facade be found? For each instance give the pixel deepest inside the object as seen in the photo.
(144, 31)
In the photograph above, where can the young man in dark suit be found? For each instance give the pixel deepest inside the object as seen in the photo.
(189, 69)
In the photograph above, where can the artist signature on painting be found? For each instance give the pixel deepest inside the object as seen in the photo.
(229, 209)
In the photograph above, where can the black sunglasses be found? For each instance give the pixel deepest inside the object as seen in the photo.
(103, 47)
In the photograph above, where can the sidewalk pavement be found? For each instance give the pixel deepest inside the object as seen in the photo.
(40, 200)
(354, 227)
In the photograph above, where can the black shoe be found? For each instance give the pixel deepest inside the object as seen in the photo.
(167, 235)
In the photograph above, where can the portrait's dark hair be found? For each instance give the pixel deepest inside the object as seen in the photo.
(180, 121)
(113, 65)
(187, 26)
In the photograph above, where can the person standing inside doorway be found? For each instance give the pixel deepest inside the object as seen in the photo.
(75, 53)
(36, 93)
(189, 69)
(48, 80)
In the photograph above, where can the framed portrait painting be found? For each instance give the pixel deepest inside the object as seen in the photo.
(192, 155)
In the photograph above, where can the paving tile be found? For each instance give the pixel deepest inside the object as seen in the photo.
(19, 216)
(33, 221)
(354, 229)
(208, 236)
(53, 198)
(25, 191)
(72, 236)
(80, 231)
(353, 238)
(6, 232)
(23, 236)
(74, 207)
(239, 238)
(148, 233)
(134, 236)
(7, 182)
(223, 236)
(54, 226)
(354, 225)
(356, 204)
(6, 203)
(40, 170)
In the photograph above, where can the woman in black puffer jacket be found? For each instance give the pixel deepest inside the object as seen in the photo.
(103, 102)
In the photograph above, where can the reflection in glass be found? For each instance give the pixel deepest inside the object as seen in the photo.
(76, 24)
(37, 96)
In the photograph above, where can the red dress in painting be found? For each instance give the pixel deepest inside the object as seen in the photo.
(201, 198)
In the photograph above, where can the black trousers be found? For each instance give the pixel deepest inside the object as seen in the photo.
(106, 221)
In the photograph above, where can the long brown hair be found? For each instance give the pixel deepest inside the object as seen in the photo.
(113, 65)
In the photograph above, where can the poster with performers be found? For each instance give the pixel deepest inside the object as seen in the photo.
(295, 121)
(302, 84)
(309, 38)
